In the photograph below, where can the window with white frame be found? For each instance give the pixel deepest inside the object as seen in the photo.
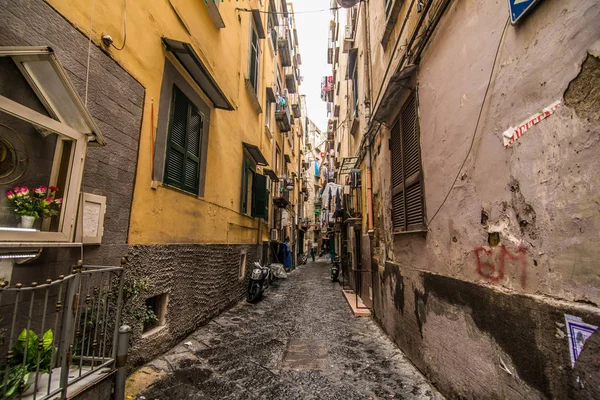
(44, 132)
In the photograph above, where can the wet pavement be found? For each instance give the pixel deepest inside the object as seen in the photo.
(300, 341)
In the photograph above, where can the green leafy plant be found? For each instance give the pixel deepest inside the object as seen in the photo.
(38, 203)
(27, 351)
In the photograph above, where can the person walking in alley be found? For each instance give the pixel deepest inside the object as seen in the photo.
(287, 254)
(313, 252)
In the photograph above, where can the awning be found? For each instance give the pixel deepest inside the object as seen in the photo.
(256, 155)
(186, 55)
(260, 29)
(348, 164)
(271, 174)
(396, 88)
(270, 94)
(351, 63)
(49, 81)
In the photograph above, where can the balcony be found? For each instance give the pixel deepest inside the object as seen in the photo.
(282, 114)
(295, 104)
(281, 196)
(283, 44)
(291, 83)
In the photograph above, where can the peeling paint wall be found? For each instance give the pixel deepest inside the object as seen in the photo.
(478, 302)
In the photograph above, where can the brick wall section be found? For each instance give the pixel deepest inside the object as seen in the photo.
(115, 99)
(201, 280)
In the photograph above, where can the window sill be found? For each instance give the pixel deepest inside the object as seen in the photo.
(30, 245)
(390, 23)
(253, 97)
(215, 15)
(413, 232)
(153, 331)
(176, 189)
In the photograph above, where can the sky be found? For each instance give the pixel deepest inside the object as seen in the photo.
(312, 38)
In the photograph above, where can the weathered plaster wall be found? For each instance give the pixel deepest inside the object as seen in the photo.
(115, 100)
(201, 281)
(486, 319)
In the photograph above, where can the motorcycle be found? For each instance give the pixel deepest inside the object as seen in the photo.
(260, 279)
(335, 269)
(303, 259)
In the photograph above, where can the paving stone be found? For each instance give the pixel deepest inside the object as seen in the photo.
(300, 341)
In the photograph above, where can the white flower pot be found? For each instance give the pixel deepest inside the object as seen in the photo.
(27, 221)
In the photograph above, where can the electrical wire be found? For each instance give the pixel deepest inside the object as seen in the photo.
(476, 125)
(286, 13)
(124, 27)
(87, 69)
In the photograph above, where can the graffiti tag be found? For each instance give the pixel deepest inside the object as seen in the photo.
(491, 263)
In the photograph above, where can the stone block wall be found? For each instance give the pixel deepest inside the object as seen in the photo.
(201, 281)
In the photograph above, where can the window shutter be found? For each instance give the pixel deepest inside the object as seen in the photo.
(245, 185)
(183, 148)
(260, 201)
(407, 186)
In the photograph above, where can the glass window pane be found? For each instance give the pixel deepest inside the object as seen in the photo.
(35, 171)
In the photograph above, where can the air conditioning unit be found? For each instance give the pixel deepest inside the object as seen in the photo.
(274, 235)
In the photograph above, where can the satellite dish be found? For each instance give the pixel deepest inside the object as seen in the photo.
(347, 3)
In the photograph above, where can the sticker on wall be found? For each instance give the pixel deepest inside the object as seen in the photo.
(577, 332)
(513, 133)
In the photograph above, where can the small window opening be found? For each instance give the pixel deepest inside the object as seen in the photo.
(155, 312)
(242, 272)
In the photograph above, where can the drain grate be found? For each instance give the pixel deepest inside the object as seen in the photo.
(305, 354)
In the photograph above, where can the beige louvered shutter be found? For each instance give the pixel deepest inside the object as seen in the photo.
(398, 215)
(411, 154)
(407, 178)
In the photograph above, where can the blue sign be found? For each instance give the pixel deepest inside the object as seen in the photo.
(518, 8)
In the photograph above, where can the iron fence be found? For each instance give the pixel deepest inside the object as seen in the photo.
(60, 335)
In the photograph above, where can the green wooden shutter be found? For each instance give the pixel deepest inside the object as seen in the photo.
(182, 167)
(260, 208)
(245, 172)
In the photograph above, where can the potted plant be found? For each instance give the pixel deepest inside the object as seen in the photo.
(31, 205)
(31, 355)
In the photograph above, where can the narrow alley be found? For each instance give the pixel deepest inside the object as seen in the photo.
(299, 342)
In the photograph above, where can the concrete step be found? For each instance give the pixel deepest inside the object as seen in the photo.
(361, 310)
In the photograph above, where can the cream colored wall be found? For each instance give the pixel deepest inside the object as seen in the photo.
(165, 215)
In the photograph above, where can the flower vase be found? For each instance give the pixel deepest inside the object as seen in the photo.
(27, 221)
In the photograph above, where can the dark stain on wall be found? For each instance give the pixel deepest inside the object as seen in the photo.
(420, 309)
(509, 319)
(391, 274)
(585, 377)
(525, 328)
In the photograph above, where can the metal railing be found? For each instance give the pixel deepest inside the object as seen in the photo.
(56, 334)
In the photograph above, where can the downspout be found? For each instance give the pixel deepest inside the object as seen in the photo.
(369, 170)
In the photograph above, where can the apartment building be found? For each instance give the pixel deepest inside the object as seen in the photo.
(198, 105)
(470, 125)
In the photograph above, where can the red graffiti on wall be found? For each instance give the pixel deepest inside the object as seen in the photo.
(491, 263)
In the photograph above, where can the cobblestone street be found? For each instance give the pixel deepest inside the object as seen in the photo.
(299, 342)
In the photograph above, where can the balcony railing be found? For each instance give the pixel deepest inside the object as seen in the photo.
(295, 103)
(282, 114)
(281, 196)
(290, 79)
(283, 44)
(62, 334)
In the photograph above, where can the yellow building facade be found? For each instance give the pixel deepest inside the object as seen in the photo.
(218, 144)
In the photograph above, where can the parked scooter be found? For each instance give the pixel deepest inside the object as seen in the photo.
(260, 279)
(303, 259)
(335, 269)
